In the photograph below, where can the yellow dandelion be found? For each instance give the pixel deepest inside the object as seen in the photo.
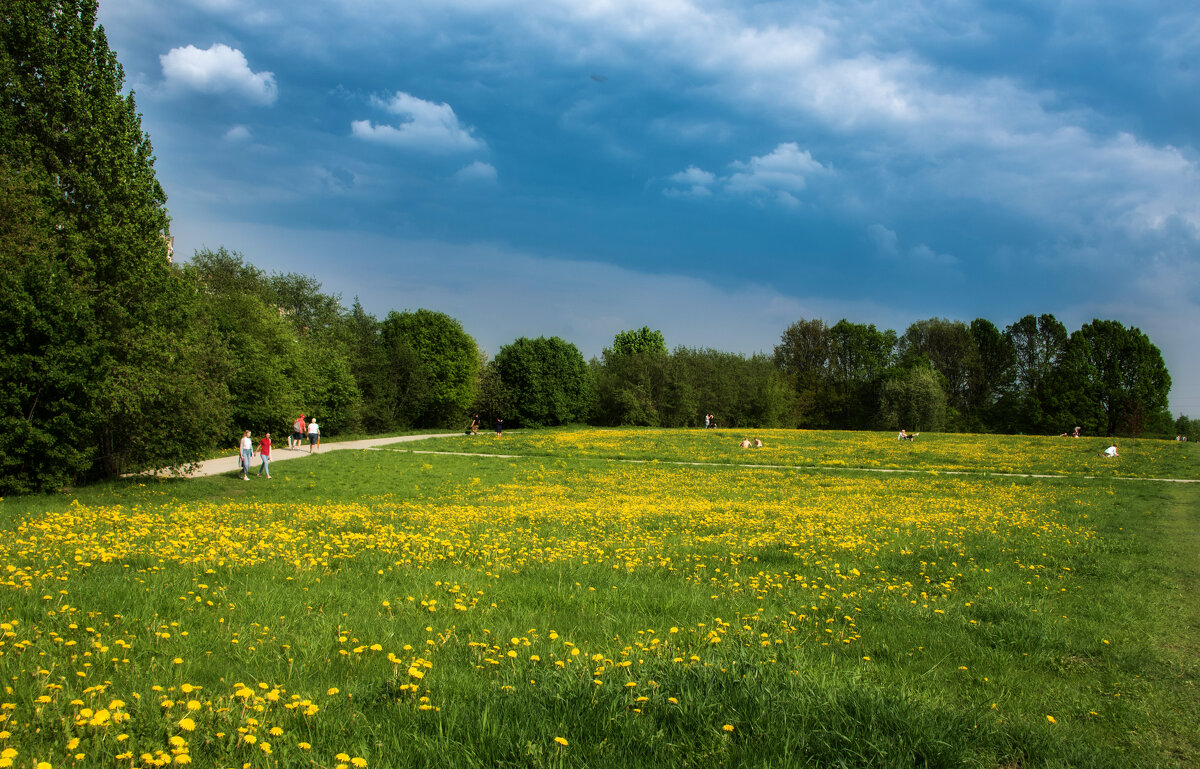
(562, 741)
(187, 724)
(1051, 719)
(727, 727)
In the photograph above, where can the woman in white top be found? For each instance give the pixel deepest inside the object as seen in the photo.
(314, 435)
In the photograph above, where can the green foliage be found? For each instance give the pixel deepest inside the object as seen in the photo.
(119, 349)
(914, 400)
(640, 342)
(1039, 344)
(949, 347)
(435, 367)
(1113, 379)
(546, 380)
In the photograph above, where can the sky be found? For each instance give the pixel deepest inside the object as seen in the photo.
(717, 170)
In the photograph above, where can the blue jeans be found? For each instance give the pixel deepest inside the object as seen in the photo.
(266, 465)
(245, 461)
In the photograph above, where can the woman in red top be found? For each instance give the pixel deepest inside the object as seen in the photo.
(264, 450)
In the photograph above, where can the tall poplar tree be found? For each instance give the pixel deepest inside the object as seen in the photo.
(104, 371)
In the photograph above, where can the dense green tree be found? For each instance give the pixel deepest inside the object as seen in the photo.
(258, 349)
(122, 351)
(739, 391)
(860, 354)
(1038, 343)
(363, 344)
(547, 380)
(949, 347)
(913, 399)
(631, 379)
(639, 342)
(1112, 379)
(990, 385)
(299, 299)
(805, 356)
(493, 399)
(436, 363)
(630, 388)
(44, 356)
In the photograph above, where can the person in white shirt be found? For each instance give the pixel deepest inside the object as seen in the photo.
(314, 435)
(1111, 451)
(247, 449)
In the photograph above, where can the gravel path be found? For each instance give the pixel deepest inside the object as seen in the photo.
(282, 453)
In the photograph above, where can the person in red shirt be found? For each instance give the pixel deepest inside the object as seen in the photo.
(297, 437)
(264, 450)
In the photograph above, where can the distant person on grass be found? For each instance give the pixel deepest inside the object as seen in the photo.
(758, 444)
(473, 428)
(499, 426)
(904, 436)
(314, 435)
(264, 451)
(1072, 435)
(1111, 451)
(297, 437)
(745, 443)
(246, 447)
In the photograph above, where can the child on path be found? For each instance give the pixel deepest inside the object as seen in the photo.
(264, 451)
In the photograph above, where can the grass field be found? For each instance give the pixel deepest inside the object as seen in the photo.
(557, 608)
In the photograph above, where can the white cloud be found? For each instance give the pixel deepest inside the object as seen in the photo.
(218, 69)
(779, 174)
(783, 170)
(476, 173)
(427, 126)
(694, 182)
(237, 134)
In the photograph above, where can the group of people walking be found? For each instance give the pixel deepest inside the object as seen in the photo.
(300, 429)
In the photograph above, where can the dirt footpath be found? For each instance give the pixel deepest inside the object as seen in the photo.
(283, 453)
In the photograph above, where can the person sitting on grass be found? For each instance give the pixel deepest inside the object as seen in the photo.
(1111, 451)
(758, 444)
(745, 443)
(904, 436)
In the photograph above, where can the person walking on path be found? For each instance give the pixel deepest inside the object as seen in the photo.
(247, 450)
(297, 436)
(314, 435)
(264, 451)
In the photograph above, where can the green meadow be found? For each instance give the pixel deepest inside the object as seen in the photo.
(627, 598)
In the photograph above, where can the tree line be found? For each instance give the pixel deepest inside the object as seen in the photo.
(115, 359)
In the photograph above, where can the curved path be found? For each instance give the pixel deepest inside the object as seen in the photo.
(222, 465)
